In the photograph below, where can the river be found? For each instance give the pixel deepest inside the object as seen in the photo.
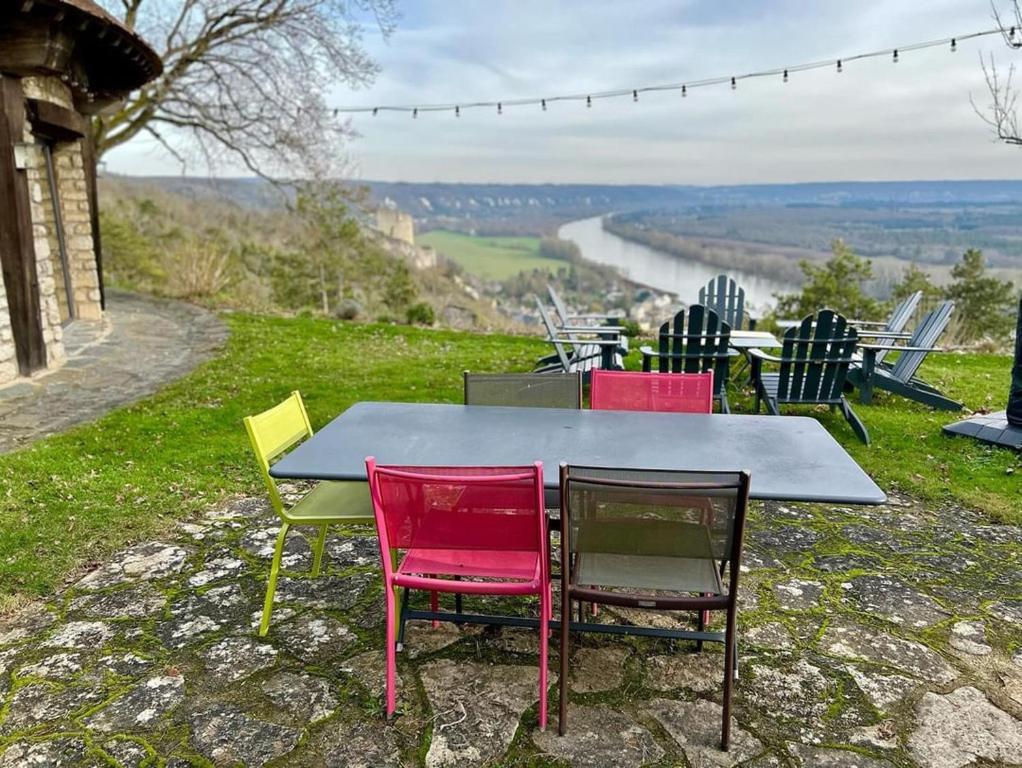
(661, 270)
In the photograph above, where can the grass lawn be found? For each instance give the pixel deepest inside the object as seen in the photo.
(74, 498)
(491, 258)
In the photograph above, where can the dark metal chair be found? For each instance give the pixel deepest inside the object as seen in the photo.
(527, 390)
(694, 341)
(814, 364)
(725, 297)
(660, 539)
(900, 377)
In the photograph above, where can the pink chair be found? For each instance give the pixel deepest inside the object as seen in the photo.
(465, 530)
(633, 391)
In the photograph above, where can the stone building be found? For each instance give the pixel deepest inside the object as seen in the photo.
(60, 62)
(395, 224)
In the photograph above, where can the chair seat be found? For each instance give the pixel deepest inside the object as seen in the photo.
(333, 502)
(472, 563)
(675, 574)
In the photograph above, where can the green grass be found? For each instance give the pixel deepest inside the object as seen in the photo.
(74, 498)
(491, 258)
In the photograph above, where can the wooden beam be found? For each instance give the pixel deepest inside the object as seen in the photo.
(17, 248)
(55, 122)
(89, 162)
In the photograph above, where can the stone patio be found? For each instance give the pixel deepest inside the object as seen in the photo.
(140, 344)
(888, 636)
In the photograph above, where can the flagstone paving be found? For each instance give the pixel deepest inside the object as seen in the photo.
(141, 344)
(876, 637)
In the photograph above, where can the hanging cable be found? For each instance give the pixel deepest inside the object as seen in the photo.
(732, 80)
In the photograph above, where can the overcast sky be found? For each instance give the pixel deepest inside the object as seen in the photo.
(877, 120)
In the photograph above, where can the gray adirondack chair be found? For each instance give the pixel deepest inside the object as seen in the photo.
(725, 297)
(569, 319)
(604, 349)
(814, 362)
(895, 324)
(694, 342)
(900, 377)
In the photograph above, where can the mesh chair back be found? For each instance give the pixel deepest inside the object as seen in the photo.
(695, 341)
(654, 529)
(926, 334)
(815, 358)
(633, 391)
(274, 431)
(527, 390)
(479, 508)
(725, 297)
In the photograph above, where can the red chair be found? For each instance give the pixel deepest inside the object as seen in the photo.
(465, 530)
(633, 391)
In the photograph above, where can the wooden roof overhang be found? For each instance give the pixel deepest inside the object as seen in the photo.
(100, 59)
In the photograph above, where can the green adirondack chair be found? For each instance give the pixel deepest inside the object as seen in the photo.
(900, 377)
(694, 342)
(725, 297)
(814, 362)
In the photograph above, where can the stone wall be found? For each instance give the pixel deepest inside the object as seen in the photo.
(8, 360)
(69, 172)
(397, 225)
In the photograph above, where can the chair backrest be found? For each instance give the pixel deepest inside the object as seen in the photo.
(899, 318)
(562, 353)
(725, 297)
(499, 509)
(815, 357)
(633, 391)
(926, 334)
(695, 341)
(274, 431)
(528, 390)
(558, 302)
(645, 513)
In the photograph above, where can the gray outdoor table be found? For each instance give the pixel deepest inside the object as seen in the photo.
(790, 458)
(753, 340)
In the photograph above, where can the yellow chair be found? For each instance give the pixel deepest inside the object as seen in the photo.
(272, 433)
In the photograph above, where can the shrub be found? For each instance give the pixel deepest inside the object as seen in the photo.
(420, 314)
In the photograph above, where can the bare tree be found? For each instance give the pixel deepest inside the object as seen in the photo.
(245, 80)
(1001, 114)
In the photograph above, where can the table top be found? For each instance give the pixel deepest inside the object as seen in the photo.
(754, 340)
(790, 458)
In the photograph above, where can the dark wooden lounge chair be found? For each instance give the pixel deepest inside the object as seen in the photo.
(814, 363)
(600, 347)
(694, 341)
(725, 297)
(900, 377)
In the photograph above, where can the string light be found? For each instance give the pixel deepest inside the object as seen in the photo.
(1010, 36)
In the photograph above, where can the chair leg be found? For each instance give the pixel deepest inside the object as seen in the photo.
(434, 605)
(856, 423)
(402, 612)
(271, 587)
(317, 553)
(544, 648)
(562, 720)
(729, 675)
(391, 641)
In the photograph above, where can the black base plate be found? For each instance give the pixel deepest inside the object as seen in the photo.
(989, 428)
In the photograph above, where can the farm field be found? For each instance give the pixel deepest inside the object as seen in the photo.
(491, 258)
